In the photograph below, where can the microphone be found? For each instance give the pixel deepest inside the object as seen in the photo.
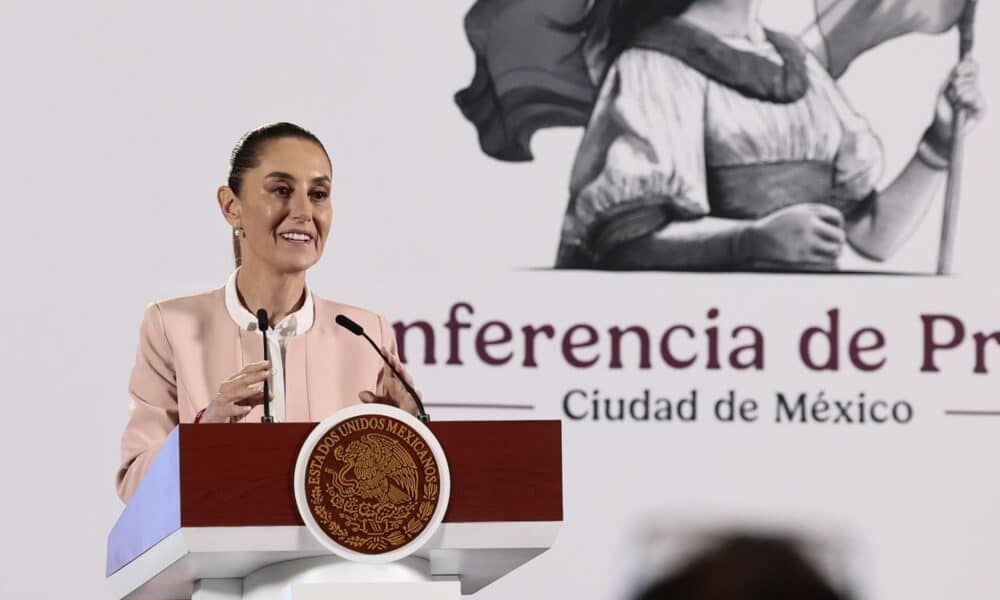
(262, 324)
(356, 329)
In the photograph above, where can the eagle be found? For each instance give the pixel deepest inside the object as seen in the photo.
(376, 467)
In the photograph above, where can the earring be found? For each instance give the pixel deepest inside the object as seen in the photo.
(238, 232)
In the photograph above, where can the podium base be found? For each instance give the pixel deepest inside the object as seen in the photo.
(332, 577)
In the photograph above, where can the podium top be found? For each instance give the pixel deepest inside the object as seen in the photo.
(241, 476)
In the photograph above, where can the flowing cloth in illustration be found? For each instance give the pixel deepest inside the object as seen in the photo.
(531, 72)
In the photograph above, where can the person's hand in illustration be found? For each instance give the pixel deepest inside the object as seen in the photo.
(960, 90)
(801, 234)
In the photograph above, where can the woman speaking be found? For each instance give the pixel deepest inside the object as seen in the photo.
(200, 358)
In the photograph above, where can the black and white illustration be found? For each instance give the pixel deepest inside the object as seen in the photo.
(713, 142)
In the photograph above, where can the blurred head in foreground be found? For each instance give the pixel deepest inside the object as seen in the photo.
(745, 568)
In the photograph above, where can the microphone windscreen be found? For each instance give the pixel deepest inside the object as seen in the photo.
(262, 320)
(349, 325)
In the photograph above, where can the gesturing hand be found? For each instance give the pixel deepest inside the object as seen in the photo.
(238, 395)
(394, 394)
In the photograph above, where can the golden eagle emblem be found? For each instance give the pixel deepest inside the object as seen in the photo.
(376, 468)
(372, 484)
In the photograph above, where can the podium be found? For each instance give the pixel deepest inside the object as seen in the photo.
(215, 518)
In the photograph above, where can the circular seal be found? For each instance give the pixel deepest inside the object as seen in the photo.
(371, 483)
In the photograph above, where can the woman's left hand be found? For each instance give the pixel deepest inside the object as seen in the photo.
(394, 394)
(961, 90)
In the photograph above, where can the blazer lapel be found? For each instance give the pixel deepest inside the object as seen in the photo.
(212, 351)
(297, 407)
(251, 350)
(320, 357)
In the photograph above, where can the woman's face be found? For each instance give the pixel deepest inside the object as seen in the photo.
(284, 206)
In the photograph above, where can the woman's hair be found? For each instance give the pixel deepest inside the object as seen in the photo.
(746, 568)
(623, 19)
(246, 156)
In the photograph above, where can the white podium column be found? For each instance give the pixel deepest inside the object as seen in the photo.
(425, 590)
(322, 578)
(218, 589)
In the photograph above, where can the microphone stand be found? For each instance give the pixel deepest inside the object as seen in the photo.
(358, 330)
(262, 323)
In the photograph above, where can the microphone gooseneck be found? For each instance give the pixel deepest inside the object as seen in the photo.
(262, 324)
(350, 325)
(358, 330)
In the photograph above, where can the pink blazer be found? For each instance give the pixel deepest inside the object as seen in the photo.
(190, 345)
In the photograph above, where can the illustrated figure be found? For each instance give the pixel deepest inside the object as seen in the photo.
(712, 142)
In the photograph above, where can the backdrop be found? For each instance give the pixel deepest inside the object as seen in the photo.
(118, 121)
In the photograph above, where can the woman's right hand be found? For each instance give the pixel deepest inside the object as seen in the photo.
(238, 395)
(801, 234)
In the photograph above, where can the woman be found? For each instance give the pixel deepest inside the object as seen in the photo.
(200, 357)
(715, 143)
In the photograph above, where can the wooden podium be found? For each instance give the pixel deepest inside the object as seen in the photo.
(215, 517)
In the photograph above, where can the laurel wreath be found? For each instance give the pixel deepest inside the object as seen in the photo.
(398, 535)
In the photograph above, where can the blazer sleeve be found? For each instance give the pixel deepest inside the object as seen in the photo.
(153, 412)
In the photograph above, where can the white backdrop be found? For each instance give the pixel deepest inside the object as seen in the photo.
(118, 121)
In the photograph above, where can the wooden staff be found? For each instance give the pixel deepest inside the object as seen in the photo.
(954, 187)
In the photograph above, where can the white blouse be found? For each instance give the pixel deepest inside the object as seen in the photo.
(296, 323)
